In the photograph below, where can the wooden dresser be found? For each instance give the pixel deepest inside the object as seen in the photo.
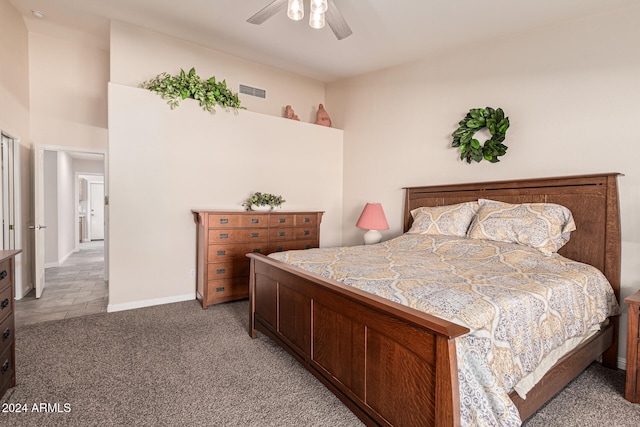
(632, 388)
(7, 325)
(225, 237)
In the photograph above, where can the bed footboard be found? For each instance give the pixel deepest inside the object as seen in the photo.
(389, 364)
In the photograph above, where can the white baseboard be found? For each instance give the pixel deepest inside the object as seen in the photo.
(24, 292)
(622, 363)
(150, 302)
(60, 261)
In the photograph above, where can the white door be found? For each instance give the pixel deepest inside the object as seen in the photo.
(96, 203)
(38, 227)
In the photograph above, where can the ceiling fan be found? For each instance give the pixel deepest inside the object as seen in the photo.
(320, 11)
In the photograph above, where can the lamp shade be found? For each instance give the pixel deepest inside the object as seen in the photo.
(373, 218)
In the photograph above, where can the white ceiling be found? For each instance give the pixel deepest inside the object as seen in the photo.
(385, 32)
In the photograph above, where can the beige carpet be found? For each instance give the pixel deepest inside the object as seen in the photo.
(179, 365)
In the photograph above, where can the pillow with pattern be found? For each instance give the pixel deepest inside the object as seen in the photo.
(450, 220)
(543, 226)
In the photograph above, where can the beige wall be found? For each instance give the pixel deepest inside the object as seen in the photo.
(68, 83)
(571, 93)
(163, 163)
(14, 72)
(14, 117)
(138, 55)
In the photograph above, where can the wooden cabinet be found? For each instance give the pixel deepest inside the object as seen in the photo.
(224, 238)
(7, 325)
(632, 388)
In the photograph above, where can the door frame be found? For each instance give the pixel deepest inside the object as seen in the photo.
(37, 165)
(12, 151)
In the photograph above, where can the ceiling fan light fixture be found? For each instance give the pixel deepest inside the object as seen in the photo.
(321, 12)
(316, 20)
(319, 6)
(295, 10)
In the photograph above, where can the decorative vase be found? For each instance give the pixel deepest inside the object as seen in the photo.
(261, 208)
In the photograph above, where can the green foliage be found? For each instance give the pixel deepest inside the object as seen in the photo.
(476, 119)
(263, 199)
(189, 85)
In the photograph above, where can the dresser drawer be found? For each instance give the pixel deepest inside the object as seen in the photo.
(7, 333)
(293, 245)
(301, 233)
(282, 220)
(238, 221)
(238, 236)
(293, 220)
(304, 220)
(6, 303)
(5, 273)
(225, 270)
(228, 289)
(7, 370)
(226, 253)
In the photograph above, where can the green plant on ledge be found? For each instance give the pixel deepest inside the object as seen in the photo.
(263, 199)
(189, 85)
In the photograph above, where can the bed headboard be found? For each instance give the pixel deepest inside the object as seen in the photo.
(592, 199)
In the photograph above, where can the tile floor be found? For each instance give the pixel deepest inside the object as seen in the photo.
(75, 288)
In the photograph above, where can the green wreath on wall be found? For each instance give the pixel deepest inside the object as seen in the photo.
(475, 120)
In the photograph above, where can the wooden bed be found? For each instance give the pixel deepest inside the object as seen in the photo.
(393, 365)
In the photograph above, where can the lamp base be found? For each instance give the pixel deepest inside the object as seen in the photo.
(372, 237)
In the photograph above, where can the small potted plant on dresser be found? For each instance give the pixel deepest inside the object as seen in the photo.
(263, 202)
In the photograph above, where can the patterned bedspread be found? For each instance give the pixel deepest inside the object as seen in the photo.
(518, 303)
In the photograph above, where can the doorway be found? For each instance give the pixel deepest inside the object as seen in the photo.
(72, 211)
(74, 279)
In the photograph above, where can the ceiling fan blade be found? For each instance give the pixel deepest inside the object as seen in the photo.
(267, 12)
(336, 21)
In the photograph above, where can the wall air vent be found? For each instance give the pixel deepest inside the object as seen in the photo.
(253, 91)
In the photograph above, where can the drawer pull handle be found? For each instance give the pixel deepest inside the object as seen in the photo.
(256, 250)
(6, 334)
(306, 232)
(5, 303)
(282, 233)
(282, 220)
(255, 221)
(220, 289)
(221, 253)
(220, 271)
(306, 220)
(224, 220)
(5, 366)
(255, 234)
(3, 274)
(224, 236)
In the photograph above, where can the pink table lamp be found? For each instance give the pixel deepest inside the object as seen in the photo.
(372, 218)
